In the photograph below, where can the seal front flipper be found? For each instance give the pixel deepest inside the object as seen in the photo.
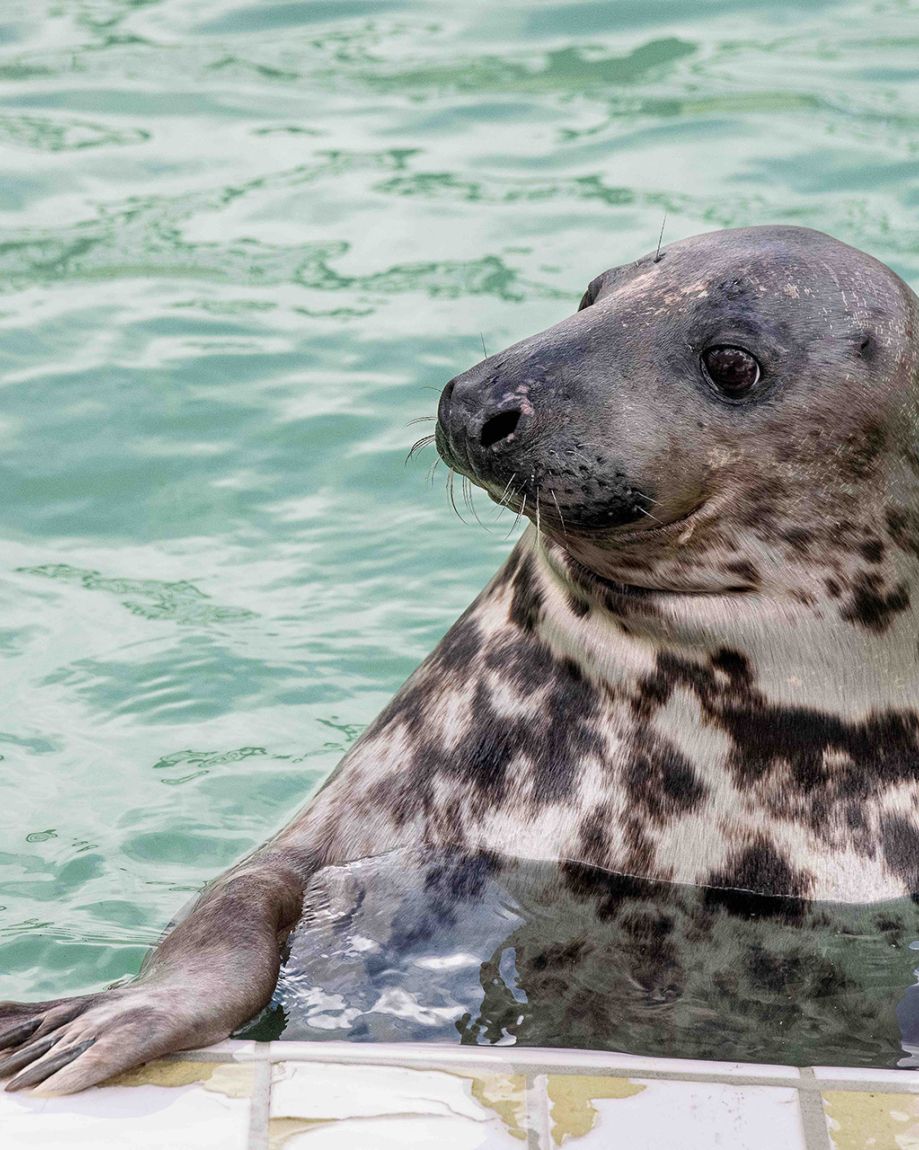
(212, 972)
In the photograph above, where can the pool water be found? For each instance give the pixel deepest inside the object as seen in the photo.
(242, 246)
(421, 945)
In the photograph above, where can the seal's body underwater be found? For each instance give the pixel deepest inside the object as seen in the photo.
(699, 665)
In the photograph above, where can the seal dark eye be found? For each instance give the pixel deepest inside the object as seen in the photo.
(733, 371)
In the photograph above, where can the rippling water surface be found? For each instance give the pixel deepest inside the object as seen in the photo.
(240, 244)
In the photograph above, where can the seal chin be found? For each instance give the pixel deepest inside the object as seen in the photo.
(617, 591)
(658, 529)
(636, 564)
(572, 572)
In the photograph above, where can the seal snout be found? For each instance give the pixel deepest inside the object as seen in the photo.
(479, 419)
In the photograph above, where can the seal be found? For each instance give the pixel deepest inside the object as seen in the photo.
(699, 664)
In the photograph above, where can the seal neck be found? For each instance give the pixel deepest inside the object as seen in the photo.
(804, 651)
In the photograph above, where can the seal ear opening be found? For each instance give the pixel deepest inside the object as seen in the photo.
(590, 295)
(865, 345)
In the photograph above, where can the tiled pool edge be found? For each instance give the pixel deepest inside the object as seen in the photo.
(364, 1094)
(532, 1060)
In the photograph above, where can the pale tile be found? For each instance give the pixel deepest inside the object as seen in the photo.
(386, 1134)
(598, 1113)
(869, 1120)
(886, 1079)
(175, 1104)
(323, 1105)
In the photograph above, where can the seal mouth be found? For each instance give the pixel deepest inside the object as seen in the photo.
(679, 526)
(618, 593)
(623, 521)
(634, 531)
(449, 453)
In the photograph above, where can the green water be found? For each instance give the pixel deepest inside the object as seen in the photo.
(240, 244)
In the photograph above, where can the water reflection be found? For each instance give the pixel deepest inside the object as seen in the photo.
(417, 946)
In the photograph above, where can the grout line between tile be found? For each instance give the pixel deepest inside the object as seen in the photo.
(473, 1066)
(677, 1076)
(206, 1055)
(260, 1106)
(863, 1086)
(592, 1061)
(537, 1112)
(813, 1120)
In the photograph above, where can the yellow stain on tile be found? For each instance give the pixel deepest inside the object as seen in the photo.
(505, 1094)
(872, 1121)
(228, 1078)
(281, 1130)
(572, 1096)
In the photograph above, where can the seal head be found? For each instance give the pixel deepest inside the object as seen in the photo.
(738, 413)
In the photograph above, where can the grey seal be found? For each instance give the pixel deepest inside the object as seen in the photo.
(698, 666)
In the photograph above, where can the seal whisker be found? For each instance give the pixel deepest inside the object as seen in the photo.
(559, 510)
(451, 475)
(660, 240)
(522, 511)
(464, 487)
(510, 492)
(502, 502)
(422, 419)
(418, 445)
(467, 497)
(430, 476)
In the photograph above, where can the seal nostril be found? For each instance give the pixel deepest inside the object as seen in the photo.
(499, 427)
